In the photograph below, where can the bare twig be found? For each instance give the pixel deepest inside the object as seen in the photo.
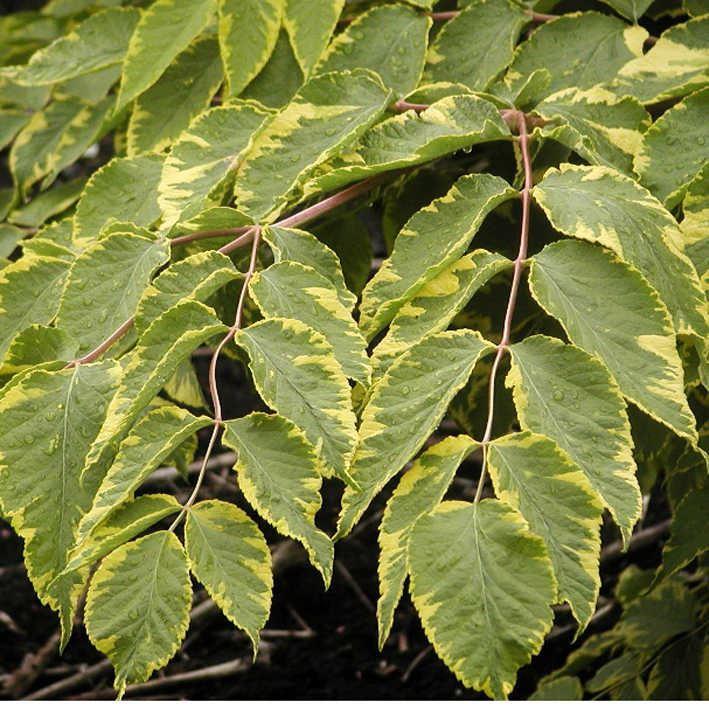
(350, 581)
(32, 665)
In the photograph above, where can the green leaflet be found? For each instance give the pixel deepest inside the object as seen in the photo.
(125, 189)
(674, 149)
(49, 420)
(533, 475)
(149, 443)
(38, 344)
(578, 50)
(10, 237)
(310, 24)
(125, 522)
(199, 168)
(279, 79)
(185, 89)
(404, 408)
(568, 395)
(474, 47)
(99, 41)
(419, 491)
(482, 584)
(137, 588)
(389, 39)
(194, 278)
(105, 284)
(599, 205)
(55, 138)
(632, 9)
(92, 87)
(328, 112)
(29, 293)
(165, 29)
(624, 324)
(601, 127)
(169, 340)
(655, 617)
(434, 237)
(229, 556)
(303, 247)
(435, 305)
(12, 120)
(679, 672)
(688, 538)
(248, 31)
(677, 65)
(55, 200)
(297, 375)
(292, 290)
(695, 224)
(411, 138)
(183, 386)
(563, 688)
(278, 472)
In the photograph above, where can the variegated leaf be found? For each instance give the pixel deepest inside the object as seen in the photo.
(435, 305)
(278, 472)
(599, 205)
(136, 588)
(625, 324)
(388, 39)
(200, 166)
(328, 112)
(434, 238)
(292, 290)
(568, 395)
(419, 491)
(296, 374)
(533, 475)
(482, 584)
(149, 443)
(404, 408)
(228, 554)
(248, 31)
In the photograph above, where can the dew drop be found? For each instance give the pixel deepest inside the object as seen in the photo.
(50, 415)
(29, 439)
(701, 140)
(406, 389)
(558, 395)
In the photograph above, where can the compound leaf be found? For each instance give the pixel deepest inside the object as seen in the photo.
(198, 170)
(435, 305)
(105, 284)
(329, 111)
(149, 443)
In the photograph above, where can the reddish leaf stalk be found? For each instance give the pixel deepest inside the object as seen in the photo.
(255, 235)
(526, 195)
